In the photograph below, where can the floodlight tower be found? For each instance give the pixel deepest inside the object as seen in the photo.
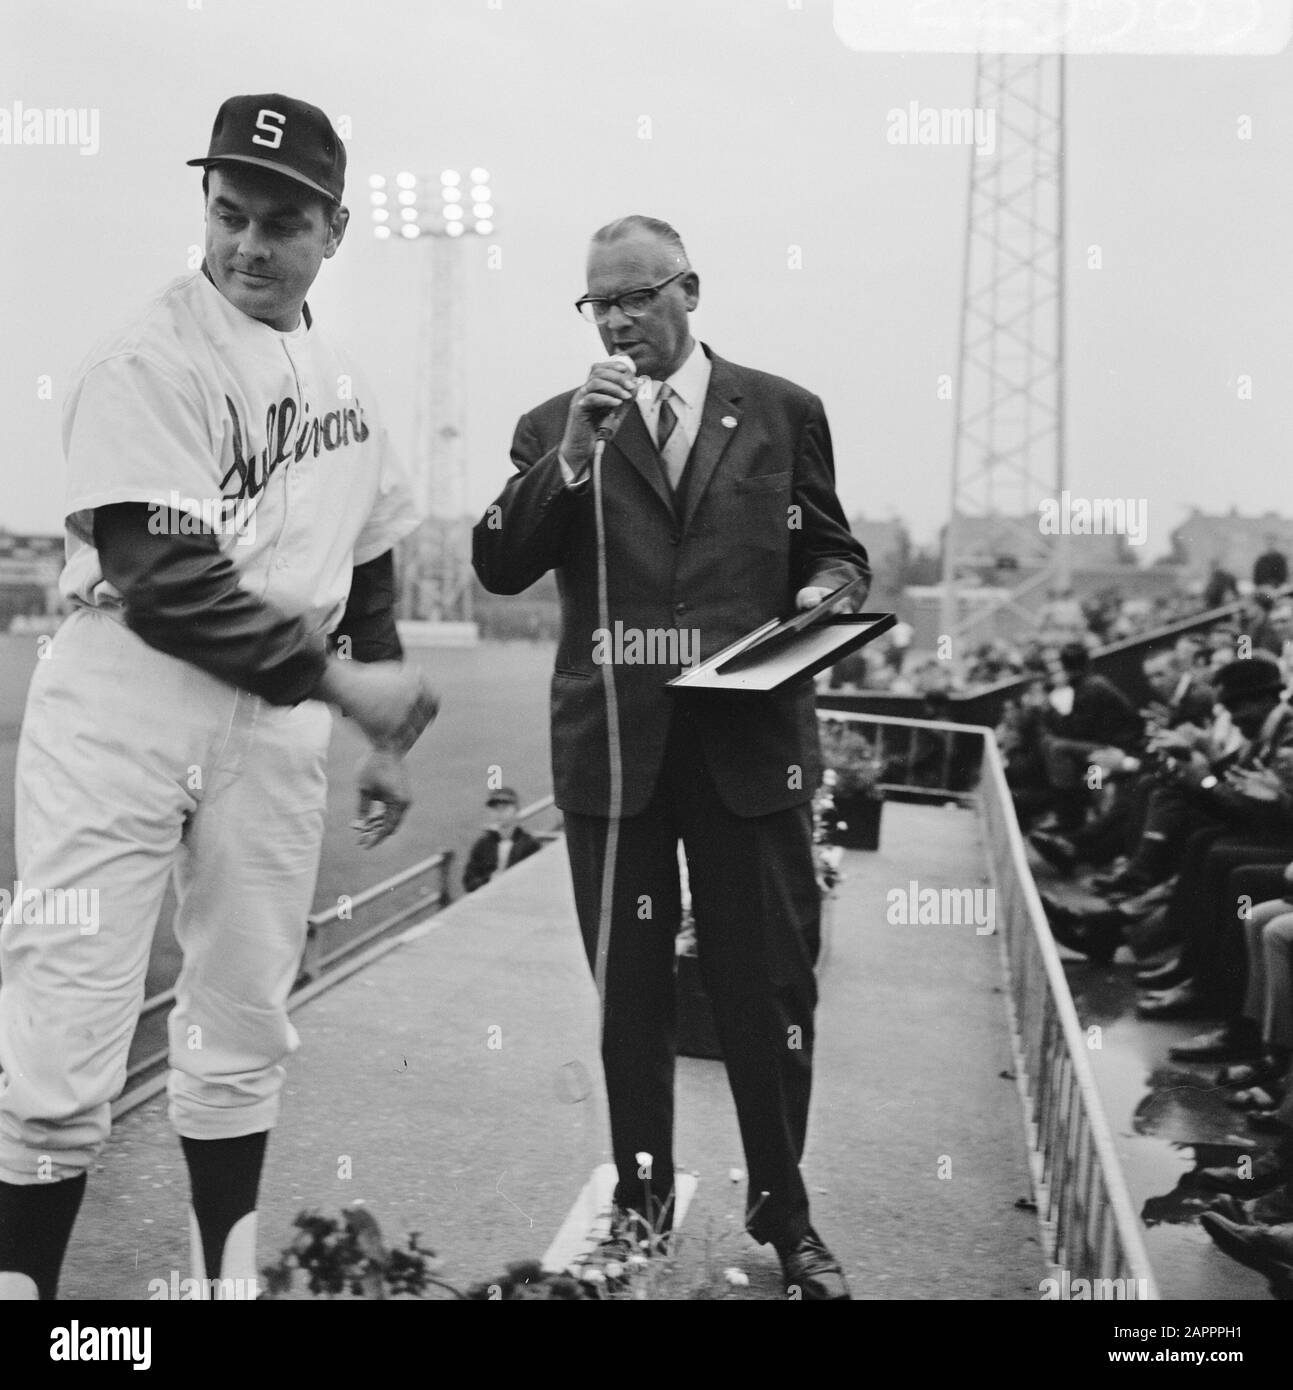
(439, 216)
(1008, 452)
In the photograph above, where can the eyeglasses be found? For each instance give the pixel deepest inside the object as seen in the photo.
(634, 304)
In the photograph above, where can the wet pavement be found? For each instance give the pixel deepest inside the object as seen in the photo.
(453, 1085)
(1168, 1120)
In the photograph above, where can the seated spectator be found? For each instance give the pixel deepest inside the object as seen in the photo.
(1181, 697)
(505, 842)
(1222, 588)
(1088, 712)
(1019, 736)
(1268, 1002)
(1270, 624)
(900, 636)
(1208, 816)
(1270, 569)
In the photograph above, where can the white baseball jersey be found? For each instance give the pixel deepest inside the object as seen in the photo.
(269, 437)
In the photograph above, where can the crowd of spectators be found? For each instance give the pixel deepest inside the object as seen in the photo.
(1175, 815)
(1106, 617)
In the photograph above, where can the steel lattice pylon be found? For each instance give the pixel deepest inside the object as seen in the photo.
(436, 558)
(1008, 452)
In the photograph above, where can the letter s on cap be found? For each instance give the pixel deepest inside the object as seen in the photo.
(276, 131)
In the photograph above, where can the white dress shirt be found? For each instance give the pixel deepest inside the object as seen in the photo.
(690, 384)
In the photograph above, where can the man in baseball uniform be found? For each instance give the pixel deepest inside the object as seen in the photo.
(231, 510)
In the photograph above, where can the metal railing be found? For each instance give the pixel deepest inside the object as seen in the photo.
(956, 756)
(1088, 1222)
(318, 960)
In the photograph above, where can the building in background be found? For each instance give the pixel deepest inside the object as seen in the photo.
(29, 570)
(1228, 540)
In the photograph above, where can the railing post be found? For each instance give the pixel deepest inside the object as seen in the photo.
(446, 879)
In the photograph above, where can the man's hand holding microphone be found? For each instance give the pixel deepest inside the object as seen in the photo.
(596, 409)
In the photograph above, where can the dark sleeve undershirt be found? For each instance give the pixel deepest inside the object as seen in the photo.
(369, 619)
(181, 595)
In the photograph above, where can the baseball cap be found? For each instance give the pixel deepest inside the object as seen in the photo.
(275, 132)
(504, 796)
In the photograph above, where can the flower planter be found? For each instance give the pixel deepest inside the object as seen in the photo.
(858, 821)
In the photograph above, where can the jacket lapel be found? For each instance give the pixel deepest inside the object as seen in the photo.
(633, 441)
(721, 403)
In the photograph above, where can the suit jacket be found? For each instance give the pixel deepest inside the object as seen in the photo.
(1194, 705)
(1101, 714)
(759, 520)
(482, 863)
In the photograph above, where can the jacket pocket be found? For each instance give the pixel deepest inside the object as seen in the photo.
(763, 482)
(567, 673)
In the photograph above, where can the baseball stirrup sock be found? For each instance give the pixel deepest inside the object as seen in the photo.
(36, 1223)
(224, 1178)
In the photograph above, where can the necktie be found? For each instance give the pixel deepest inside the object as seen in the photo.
(671, 439)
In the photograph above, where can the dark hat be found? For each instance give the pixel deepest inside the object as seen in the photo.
(1239, 680)
(1074, 656)
(275, 132)
(504, 796)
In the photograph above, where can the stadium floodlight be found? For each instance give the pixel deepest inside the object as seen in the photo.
(466, 203)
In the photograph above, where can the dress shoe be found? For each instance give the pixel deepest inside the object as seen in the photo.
(811, 1273)
(1139, 905)
(1058, 852)
(1125, 882)
(1267, 1122)
(1263, 1174)
(1235, 1042)
(1267, 1249)
(1163, 976)
(1181, 1001)
(1273, 1209)
(1096, 935)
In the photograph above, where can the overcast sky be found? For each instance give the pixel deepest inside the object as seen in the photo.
(766, 132)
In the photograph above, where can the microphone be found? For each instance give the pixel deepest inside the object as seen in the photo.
(611, 422)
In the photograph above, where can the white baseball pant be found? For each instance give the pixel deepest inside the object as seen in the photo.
(134, 767)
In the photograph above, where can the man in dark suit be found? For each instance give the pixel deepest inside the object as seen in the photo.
(504, 843)
(717, 501)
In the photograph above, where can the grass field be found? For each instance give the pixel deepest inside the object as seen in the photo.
(494, 711)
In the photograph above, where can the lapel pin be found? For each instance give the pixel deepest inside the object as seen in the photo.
(729, 422)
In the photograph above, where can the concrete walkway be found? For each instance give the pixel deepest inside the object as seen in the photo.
(453, 1086)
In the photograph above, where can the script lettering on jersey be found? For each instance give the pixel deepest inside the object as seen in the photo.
(285, 439)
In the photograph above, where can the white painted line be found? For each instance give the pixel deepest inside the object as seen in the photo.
(589, 1219)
